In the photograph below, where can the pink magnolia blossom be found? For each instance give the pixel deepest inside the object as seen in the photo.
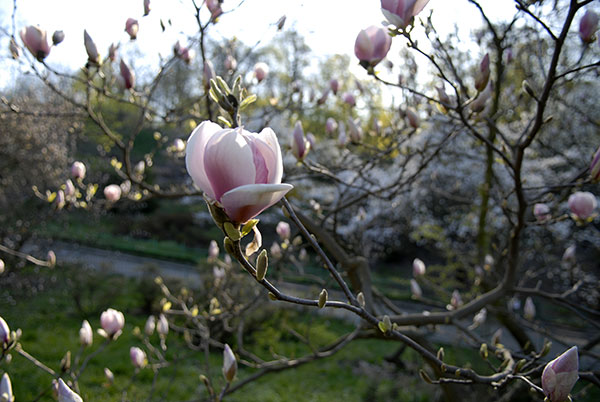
(214, 6)
(483, 74)
(582, 204)
(595, 166)
(412, 118)
(138, 357)
(66, 394)
(331, 125)
(541, 212)
(283, 230)
(372, 45)
(112, 192)
(418, 267)
(86, 336)
(300, 145)
(162, 325)
(229, 364)
(349, 99)
(587, 26)
(112, 322)
(91, 49)
(415, 289)
(401, 12)
(334, 85)
(261, 70)
(132, 27)
(560, 375)
(6, 391)
(35, 39)
(238, 169)
(127, 77)
(354, 130)
(230, 63)
(208, 73)
(150, 325)
(184, 53)
(146, 7)
(69, 189)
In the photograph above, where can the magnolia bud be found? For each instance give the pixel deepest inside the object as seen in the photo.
(415, 289)
(276, 250)
(2, 267)
(412, 118)
(230, 63)
(112, 322)
(15, 50)
(322, 298)
(112, 192)
(66, 394)
(138, 357)
(6, 393)
(229, 364)
(162, 326)
(262, 263)
(418, 267)
(582, 204)
(213, 250)
(529, 309)
(560, 375)
(281, 23)
(455, 300)
(65, 362)
(349, 99)
(91, 49)
(78, 170)
(569, 256)
(4, 333)
(208, 73)
(261, 70)
(334, 85)
(150, 325)
(300, 146)
(360, 298)
(541, 212)
(587, 26)
(132, 27)
(483, 74)
(331, 125)
(372, 45)
(146, 7)
(51, 259)
(60, 199)
(126, 79)
(595, 167)
(110, 377)
(57, 37)
(86, 335)
(112, 51)
(35, 39)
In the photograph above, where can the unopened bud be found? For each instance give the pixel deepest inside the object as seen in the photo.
(483, 351)
(65, 363)
(527, 88)
(360, 298)
(440, 354)
(229, 364)
(322, 298)
(262, 263)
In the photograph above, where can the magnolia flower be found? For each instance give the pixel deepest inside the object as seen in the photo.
(334, 85)
(331, 125)
(412, 118)
(560, 375)
(529, 309)
(230, 63)
(162, 326)
(132, 27)
(595, 167)
(6, 393)
(127, 77)
(541, 212)
(261, 70)
(57, 37)
(146, 7)
(4, 332)
(401, 12)
(587, 26)
(66, 394)
(138, 357)
(229, 364)
(112, 323)
(60, 199)
(35, 39)
(582, 204)
(150, 325)
(86, 336)
(112, 192)
(1, 266)
(300, 146)
(418, 267)
(213, 250)
(354, 130)
(415, 289)
(349, 98)
(283, 230)
(372, 45)
(91, 49)
(214, 6)
(483, 74)
(236, 168)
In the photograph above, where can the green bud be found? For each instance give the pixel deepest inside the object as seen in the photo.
(385, 324)
(546, 348)
(232, 231)
(322, 298)
(262, 263)
(483, 351)
(229, 247)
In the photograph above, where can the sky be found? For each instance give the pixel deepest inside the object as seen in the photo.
(329, 26)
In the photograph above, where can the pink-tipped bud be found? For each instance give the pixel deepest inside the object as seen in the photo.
(112, 51)
(138, 357)
(66, 394)
(2, 267)
(415, 289)
(86, 336)
(132, 27)
(283, 230)
(229, 364)
(6, 392)
(560, 375)
(349, 99)
(541, 212)
(401, 12)
(183, 53)
(582, 204)
(331, 125)
(112, 192)
(214, 6)
(412, 118)
(334, 85)
(418, 267)
(300, 146)
(112, 322)
(146, 7)
(91, 49)
(230, 63)
(483, 74)
(150, 325)
(213, 250)
(595, 167)
(529, 309)
(35, 39)
(261, 70)
(323, 97)
(372, 45)
(127, 77)
(4, 333)
(69, 189)
(587, 26)
(57, 37)
(208, 73)
(59, 202)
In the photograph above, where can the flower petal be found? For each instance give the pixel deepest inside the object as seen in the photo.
(245, 202)
(194, 155)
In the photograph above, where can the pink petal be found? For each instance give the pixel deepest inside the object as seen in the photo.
(245, 202)
(268, 146)
(194, 155)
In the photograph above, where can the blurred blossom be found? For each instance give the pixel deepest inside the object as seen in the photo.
(372, 45)
(412, 118)
(208, 73)
(69, 189)
(236, 168)
(146, 7)
(6, 392)
(331, 125)
(443, 96)
(4, 332)
(213, 250)
(60, 199)
(479, 103)
(179, 145)
(418, 267)
(261, 70)
(483, 74)
(595, 167)
(276, 250)
(541, 212)
(300, 146)
(283, 230)
(456, 300)
(569, 256)
(127, 77)
(2, 267)
(110, 377)
(214, 6)
(560, 375)
(112, 51)
(509, 55)
(582, 204)
(342, 138)
(303, 255)
(112, 192)
(281, 23)
(15, 50)
(323, 97)
(35, 39)
(91, 49)
(183, 53)
(401, 12)
(139, 168)
(57, 37)
(229, 364)
(349, 99)
(334, 85)
(480, 317)
(112, 322)
(66, 394)
(138, 357)
(230, 63)
(587, 26)
(125, 187)
(312, 140)
(415, 289)
(354, 130)
(150, 325)
(132, 27)
(218, 273)
(529, 309)
(51, 259)
(162, 326)
(86, 336)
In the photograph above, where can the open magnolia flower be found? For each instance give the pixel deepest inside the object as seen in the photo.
(238, 169)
